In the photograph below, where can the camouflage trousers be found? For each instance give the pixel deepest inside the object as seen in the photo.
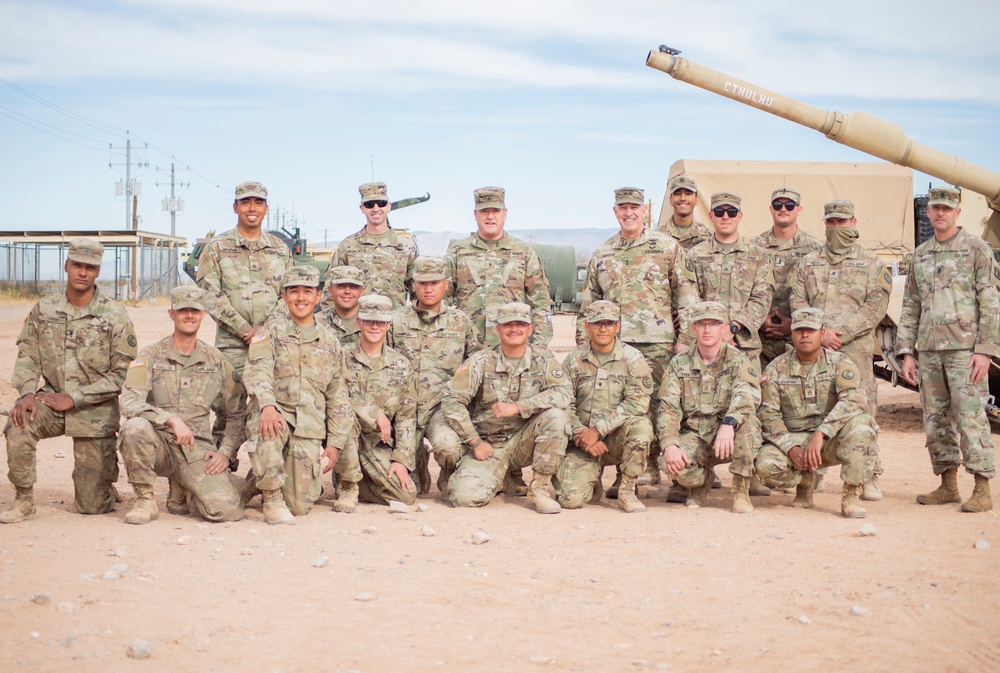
(289, 463)
(541, 443)
(237, 357)
(771, 348)
(862, 359)
(702, 459)
(149, 452)
(367, 464)
(852, 448)
(579, 473)
(446, 446)
(95, 463)
(955, 422)
(658, 356)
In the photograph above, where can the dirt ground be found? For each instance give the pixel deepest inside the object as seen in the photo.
(594, 589)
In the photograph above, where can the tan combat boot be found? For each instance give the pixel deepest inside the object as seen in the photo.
(871, 491)
(651, 476)
(946, 493)
(538, 495)
(613, 491)
(627, 500)
(249, 491)
(678, 493)
(23, 508)
(741, 495)
(757, 487)
(804, 491)
(275, 509)
(347, 499)
(177, 498)
(981, 501)
(698, 496)
(850, 502)
(144, 510)
(513, 483)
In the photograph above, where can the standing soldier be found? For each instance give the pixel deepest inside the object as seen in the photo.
(384, 254)
(851, 286)
(785, 245)
(436, 339)
(298, 399)
(950, 319)
(376, 464)
(612, 384)
(708, 411)
(80, 343)
(647, 274)
(682, 227)
(814, 413)
(169, 393)
(344, 286)
(508, 405)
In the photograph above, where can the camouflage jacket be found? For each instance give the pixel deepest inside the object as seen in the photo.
(605, 396)
(536, 383)
(695, 397)
(345, 329)
(435, 344)
(785, 255)
(242, 283)
(950, 301)
(299, 371)
(80, 351)
(484, 275)
(804, 398)
(161, 383)
(386, 384)
(649, 277)
(385, 259)
(853, 294)
(688, 237)
(741, 279)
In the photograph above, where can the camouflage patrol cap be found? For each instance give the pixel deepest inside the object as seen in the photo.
(840, 209)
(682, 182)
(375, 307)
(726, 199)
(300, 276)
(346, 275)
(373, 191)
(489, 197)
(632, 195)
(85, 251)
(708, 310)
(787, 193)
(251, 189)
(429, 269)
(187, 296)
(809, 318)
(514, 312)
(944, 196)
(602, 310)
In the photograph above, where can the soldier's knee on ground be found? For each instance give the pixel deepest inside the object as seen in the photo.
(459, 495)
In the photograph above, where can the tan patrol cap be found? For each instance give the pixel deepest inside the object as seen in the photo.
(187, 296)
(708, 310)
(809, 318)
(489, 197)
(375, 307)
(726, 199)
(346, 275)
(251, 189)
(682, 182)
(373, 191)
(85, 251)
(632, 195)
(514, 312)
(787, 193)
(301, 276)
(427, 269)
(841, 209)
(944, 196)
(602, 310)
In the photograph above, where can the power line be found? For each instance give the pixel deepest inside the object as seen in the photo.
(93, 123)
(61, 130)
(55, 135)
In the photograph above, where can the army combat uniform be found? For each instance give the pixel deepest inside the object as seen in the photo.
(686, 237)
(386, 260)
(345, 329)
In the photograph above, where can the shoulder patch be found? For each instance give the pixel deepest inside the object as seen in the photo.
(460, 382)
(848, 374)
(763, 377)
(259, 336)
(131, 341)
(557, 373)
(237, 376)
(647, 382)
(137, 375)
(138, 362)
(888, 277)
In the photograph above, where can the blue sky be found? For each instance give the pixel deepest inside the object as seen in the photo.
(550, 99)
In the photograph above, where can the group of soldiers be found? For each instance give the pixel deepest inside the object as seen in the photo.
(695, 347)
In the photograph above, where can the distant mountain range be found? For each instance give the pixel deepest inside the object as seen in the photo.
(583, 241)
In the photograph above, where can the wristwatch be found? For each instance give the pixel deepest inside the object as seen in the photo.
(729, 420)
(734, 328)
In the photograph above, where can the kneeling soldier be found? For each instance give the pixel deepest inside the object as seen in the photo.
(169, 392)
(814, 414)
(612, 384)
(708, 411)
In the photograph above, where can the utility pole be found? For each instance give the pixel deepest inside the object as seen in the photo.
(173, 205)
(130, 188)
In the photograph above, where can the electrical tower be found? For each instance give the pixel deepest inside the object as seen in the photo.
(130, 189)
(173, 205)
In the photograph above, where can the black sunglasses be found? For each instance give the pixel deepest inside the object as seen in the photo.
(778, 205)
(381, 203)
(720, 211)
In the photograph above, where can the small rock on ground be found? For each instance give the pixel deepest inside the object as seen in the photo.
(139, 649)
(867, 530)
(480, 537)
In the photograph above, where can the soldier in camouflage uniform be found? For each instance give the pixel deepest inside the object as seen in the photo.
(682, 226)
(381, 452)
(241, 273)
(851, 286)
(344, 286)
(384, 254)
(298, 399)
(169, 393)
(80, 343)
(436, 339)
(508, 405)
(708, 411)
(612, 385)
(785, 245)
(950, 319)
(647, 274)
(813, 413)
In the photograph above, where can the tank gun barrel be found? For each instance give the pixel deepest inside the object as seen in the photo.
(859, 130)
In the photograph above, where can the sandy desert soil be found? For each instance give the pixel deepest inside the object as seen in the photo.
(589, 590)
